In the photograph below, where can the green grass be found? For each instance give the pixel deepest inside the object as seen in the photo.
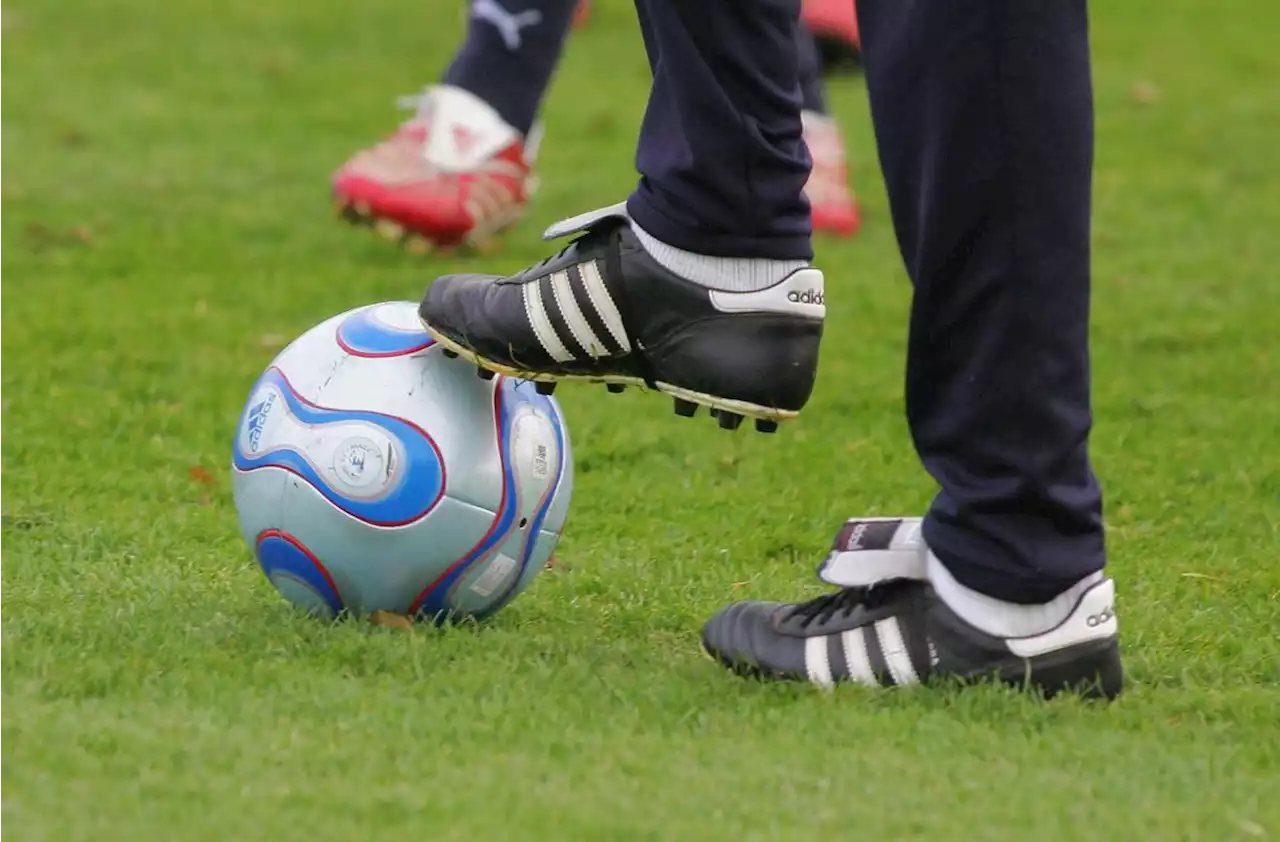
(166, 229)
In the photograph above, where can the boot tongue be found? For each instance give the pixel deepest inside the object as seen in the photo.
(584, 221)
(463, 131)
(868, 551)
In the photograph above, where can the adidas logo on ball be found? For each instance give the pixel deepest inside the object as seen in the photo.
(809, 296)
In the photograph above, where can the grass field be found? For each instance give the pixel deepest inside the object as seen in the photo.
(166, 229)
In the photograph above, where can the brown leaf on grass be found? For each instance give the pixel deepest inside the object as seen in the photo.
(1144, 93)
(278, 64)
(73, 137)
(390, 620)
(201, 475)
(41, 236)
(601, 123)
(38, 233)
(10, 20)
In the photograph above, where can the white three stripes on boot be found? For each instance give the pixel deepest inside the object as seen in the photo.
(603, 302)
(855, 657)
(578, 325)
(581, 332)
(893, 649)
(536, 310)
(816, 662)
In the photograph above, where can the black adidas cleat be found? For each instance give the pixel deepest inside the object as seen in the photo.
(898, 632)
(602, 310)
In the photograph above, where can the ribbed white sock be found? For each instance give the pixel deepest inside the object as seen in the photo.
(1005, 619)
(735, 274)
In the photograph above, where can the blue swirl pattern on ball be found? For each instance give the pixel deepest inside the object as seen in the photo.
(364, 335)
(416, 482)
(284, 556)
(433, 602)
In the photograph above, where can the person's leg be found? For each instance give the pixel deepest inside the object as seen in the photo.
(813, 95)
(460, 170)
(510, 53)
(700, 286)
(721, 155)
(833, 208)
(983, 117)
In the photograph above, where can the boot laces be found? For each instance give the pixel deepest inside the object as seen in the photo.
(845, 602)
(586, 239)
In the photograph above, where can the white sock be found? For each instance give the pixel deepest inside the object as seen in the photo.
(1005, 619)
(735, 274)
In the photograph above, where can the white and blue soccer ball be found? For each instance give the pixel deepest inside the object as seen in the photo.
(371, 473)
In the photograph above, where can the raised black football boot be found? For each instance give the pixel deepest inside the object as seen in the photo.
(897, 631)
(602, 310)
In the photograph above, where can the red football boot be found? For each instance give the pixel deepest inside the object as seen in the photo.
(833, 206)
(454, 174)
(835, 20)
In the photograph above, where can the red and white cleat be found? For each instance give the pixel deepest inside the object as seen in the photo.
(835, 20)
(833, 206)
(454, 174)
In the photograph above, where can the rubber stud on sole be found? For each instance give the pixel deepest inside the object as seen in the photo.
(729, 420)
(545, 387)
(416, 244)
(615, 388)
(485, 374)
(684, 408)
(389, 229)
(764, 425)
(484, 245)
(453, 355)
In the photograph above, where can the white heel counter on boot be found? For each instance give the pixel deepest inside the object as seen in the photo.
(799, 294)
(1094, 618)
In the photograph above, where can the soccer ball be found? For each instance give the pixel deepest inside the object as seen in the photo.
(371, 472)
